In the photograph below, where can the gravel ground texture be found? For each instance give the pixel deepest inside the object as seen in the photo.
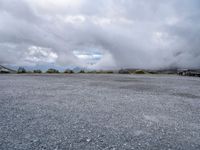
(99, 112)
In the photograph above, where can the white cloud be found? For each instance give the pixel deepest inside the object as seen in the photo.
(76, 19)
(172, 20)
(128, 33)
(40, 55)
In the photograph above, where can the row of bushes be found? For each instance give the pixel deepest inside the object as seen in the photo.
(51, 70)
(128, 71)
(101, 72)
(68, 71)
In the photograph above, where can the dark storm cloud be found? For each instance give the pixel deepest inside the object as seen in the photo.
(127, 33)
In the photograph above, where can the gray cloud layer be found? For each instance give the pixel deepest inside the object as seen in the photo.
(127, 33)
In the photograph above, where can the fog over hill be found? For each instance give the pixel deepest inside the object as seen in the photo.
(100, 34)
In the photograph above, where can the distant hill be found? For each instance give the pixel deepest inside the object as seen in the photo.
(6, 70)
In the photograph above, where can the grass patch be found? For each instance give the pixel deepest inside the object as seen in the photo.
(139, 72)
(51, 70)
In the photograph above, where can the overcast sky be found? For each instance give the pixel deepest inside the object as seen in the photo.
(100, 34)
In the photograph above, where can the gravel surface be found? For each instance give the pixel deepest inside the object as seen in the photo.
(105, 112)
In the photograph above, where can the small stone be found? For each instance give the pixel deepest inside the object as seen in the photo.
(125, 144)
(88, 140)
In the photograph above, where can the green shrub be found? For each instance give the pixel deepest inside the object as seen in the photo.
(69, 71)
(37, 71)
(139, 72)
(124, 71)
(109, 72)
(105, 72)
(152, 72)
(81, 71)
(101, 72)
(51, 70)
(21, 70)
(92, 72)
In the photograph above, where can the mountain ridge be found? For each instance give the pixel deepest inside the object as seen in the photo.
(6, 70)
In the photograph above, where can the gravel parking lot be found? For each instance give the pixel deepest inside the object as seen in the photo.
(105, 112)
